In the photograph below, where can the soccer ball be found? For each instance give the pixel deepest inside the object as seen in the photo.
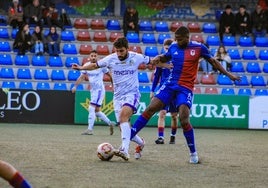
(105, 151)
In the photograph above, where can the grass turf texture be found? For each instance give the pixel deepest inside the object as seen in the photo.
(55, 156)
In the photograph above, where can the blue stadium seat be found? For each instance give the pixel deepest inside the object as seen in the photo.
(22, 60)
(14, 33)
(213, 40)
(209, 28)
(70, 60)
(265, 67)
(55, 61)
(237, 66)
(42, 86)
(151, 51)
(80, 87)
(249, 54)
(69, 49)
(263, 54)
(60, 86)
(244, 91)
(161, 26)
(24, 73)
(234, 53)
(260, 92)
(253, 67)
(4, 33)
(162, 37)
(57, 75)
(143, 77)
(133, 37)
(148, 38)
(257, 80)
(73, 75)
(113, 25)
(243, 81)
(229, 40)
(227, 91)
(41, 74)
(7, 73)
(25, 85)
(145, 25)
(39, 61)
(3, 19)
(245, 41)
(8, 84)
(261, 41)
(5, 46)
(5, 59)
(224, 80)
(145, 89)
(67, 35)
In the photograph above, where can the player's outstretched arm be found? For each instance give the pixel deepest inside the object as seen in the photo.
(87, 66)
(161, 61)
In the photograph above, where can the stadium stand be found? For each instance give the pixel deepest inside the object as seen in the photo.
(5, 59)
(22, 60)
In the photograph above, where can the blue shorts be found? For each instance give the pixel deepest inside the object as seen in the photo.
(175, 94)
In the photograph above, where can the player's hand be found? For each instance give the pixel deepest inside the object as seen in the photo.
(165, 65)
(75, 66)
(234, 77)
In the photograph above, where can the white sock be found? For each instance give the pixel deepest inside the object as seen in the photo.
(138, 140)
(103, 117)
(91, 117)
(125, 135)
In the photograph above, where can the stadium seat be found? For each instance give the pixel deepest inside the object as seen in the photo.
(135, 49)
(7, 73)
(207, 79)
(100, 36)
(243, 81)
(142, 66)
(237, 66)
(161, 26)
(148, 38)
(41, 74)
(55, 61)
(145, 89)
(194, 27)
(261, 41)
(211, 90)
(133, 37)
(114, 35)
(108, 87)
(197, 90)
(106, 78)
(79, 87)
(197, 37)
(102, 49)
(69, 48)
(260, 92)
(143, 77)
(60, 86)
(244, 91)
(8, 84)
(97, 24)
(145, 25)
(23, 73)
(227, 91)
(263, 54)
(213, 40)
(209, 28)
(113, 25)
(245, 41)
(175, 25)
(73, 75)
(151, 51)
(253, 67)
(228, 40)
(83, 36)
(85, 60)
(25, 85)
(5, 59)
(81, 23)
(249, 54)
(14, 33)
(257, 80)
(70, 60)
(5, 46)
(57, 75)
(162, 37)
(4, 33)
(22, 60)
(224, 80)
(67, 35)
(42, 86)
(39, 61)
(234, 53)
(265, 67)
(85, 49)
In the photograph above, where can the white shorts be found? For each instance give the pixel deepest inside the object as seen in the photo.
(97, 97)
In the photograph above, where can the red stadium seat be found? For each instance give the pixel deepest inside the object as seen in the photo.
(197, 90)
(109, 87)
(135, 49)
(85, 60)
(100, 36)
(194, 27)
(85, 49)
(115, 35)
(211, 90)
(102, 49)
(106, 78)
(196, 81)
(142, 66)
(81, 23)
(175, 25)
(197, 37)
(97, 24)
(208, 79)
(83, 36)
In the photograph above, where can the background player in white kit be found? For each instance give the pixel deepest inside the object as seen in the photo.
(97, 92)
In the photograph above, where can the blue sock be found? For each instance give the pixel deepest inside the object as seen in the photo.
(139, 124)
(161, 132)
(173, 130)
(189, 136)
(25, 184)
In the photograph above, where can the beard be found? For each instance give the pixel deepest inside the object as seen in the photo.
(122, 58)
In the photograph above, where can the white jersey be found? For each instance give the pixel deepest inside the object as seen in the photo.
(124, 73)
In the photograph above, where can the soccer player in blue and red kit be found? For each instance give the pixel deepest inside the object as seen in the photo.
(184, 55)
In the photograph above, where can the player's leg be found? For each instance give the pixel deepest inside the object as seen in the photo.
(91, 119)
(174, 127)
(161, 126)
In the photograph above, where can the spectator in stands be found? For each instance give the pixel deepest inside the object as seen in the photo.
(53, 41)
(205, 65)
(23, 40)
(258, 22)
(243, 21)
(15, 14)
(38, 40)
(131, 19)
(226, 23)
(33, 13)
(50, 15)
(223, 57)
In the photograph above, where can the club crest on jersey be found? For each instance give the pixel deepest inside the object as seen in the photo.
(192, 52)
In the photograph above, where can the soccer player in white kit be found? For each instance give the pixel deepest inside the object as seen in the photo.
(123, 65)
(97, 92)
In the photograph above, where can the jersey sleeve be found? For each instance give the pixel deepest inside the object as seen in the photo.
(104, 62)
(142, 59)
(205, 52)
(105, 70)
(157, 74)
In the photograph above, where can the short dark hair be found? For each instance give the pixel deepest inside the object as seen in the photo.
(168, 42)
(121, 42)
(228, 7)
(242, 6)
(184, 31)
(93, 51)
